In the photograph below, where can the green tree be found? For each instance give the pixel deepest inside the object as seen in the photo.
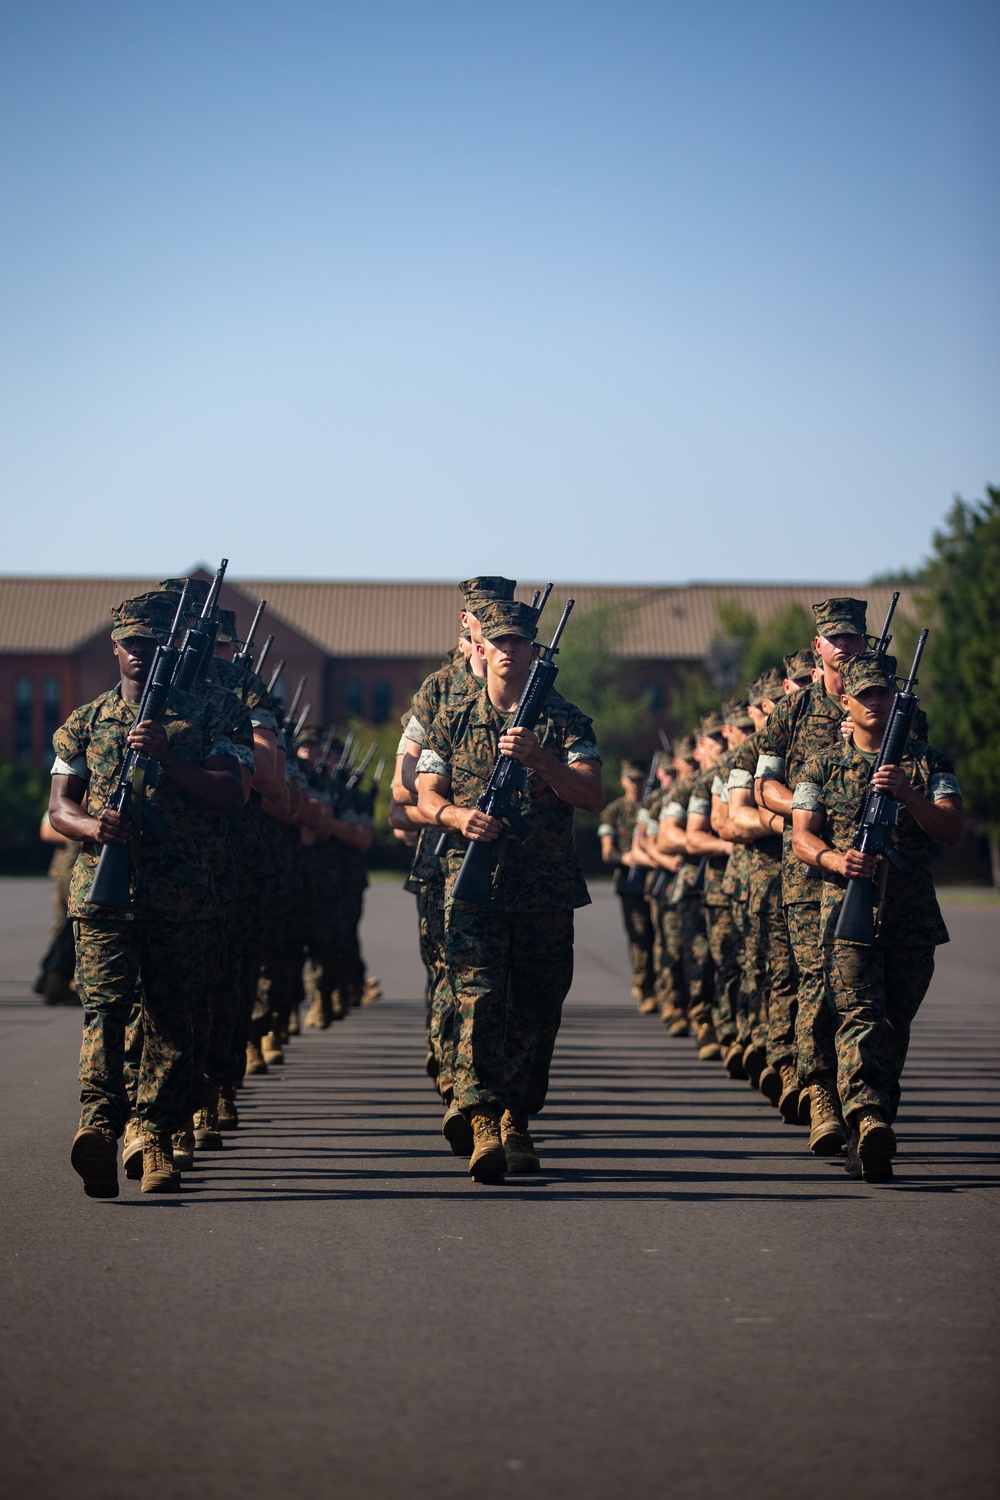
(741, 651)
(24, 795)
(602, 683)
(963, 654)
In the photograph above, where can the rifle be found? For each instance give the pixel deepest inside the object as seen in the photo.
(360, 769)
(275, 675)
(881, 646)
(635, 880)
(293, 707)
(199, 643)
(480, 872)
(856, 922)
(258, 665)
(540, 600)
(322, 764)
(111, 885)
(243, 654)
(302, 719)
(668, 748)
(679, 891)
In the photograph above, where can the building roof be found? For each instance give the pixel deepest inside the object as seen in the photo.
(417, 620)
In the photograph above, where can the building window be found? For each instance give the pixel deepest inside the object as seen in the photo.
(654, 696)
(380, 702)
(23, 696)
(354, 697)
(51, 712)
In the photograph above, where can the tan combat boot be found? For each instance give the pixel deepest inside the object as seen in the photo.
(159, 1174)
(518, 1146)
(457, 1131)
(270, 1046)
(680, 1026)
(205, 1124)
(293, 1021)
(182, 1148)
(805, 1107)
(770, 1085)
(707, 1042)
(733, 1061)
(132, 1149)
(94, 1156)
(876, 1147)
(371, 991)
(228, 1115)
(788, 1099)
(255, 1059)
(488, 1163)
(754, 1063)
(827, 1134)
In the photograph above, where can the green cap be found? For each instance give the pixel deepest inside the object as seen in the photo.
(800, 664)
(631, 771)
(502, 617)
(866, 671)
(841, 617)
(710, 724)
(227, 625)
(734, 713)
(769, 684)
(197, 591)
(479, 590)
(149, 616)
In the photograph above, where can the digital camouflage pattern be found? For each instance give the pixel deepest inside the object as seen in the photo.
(618, 821)
(836, 785)
(876, 993)
(173, 880)
(804, 724)
(542, 871)
(689, 906)
(111, 955)
(511, 971)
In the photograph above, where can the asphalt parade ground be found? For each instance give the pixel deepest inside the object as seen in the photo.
(683, 1304)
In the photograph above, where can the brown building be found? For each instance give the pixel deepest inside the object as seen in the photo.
(363, 647)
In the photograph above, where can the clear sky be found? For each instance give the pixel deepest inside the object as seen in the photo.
(595, 291)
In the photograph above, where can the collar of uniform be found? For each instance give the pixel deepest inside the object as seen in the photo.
(116, 712)
(483, 711)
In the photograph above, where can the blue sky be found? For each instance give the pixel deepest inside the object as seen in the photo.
(622, 291)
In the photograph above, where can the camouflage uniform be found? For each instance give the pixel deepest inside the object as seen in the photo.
(723, 942)
(510, 967)
(163, 935)
(771, 1026)
(442, 690)
(687, 904)
(59, 960)
(618, 822)
(802, 725)
(668, 965)
(875, 991)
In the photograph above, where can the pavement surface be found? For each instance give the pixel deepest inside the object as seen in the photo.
(683, 1304)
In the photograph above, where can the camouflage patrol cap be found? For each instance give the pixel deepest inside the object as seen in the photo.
(310, 734)
(227, 625)
(149, 616)
(479, 590)
(734, 713)
(684, 749)
(866, 671)
(664, 761)
(711, 724)
(799, 664)
(197, 591)
(465, 633)
(500, 617)
(769, 684)
(841, 617)
(631, 771)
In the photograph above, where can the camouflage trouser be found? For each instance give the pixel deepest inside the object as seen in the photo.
(696, 958)
(668, 955)
(353, 959)
(442, 1016)
(814, 1026)
(110, 956)
(723, 945)
(782, 982)
(279, 986)
(875, 993)
(751, 984)
(510, 972)
(639, 932)
(248, 938)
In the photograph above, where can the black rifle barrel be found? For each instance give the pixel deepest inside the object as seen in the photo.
(294, 705)
(302, 719)
(275, 675)
(247, 646)
(258, 665)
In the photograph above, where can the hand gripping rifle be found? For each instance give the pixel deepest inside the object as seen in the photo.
(199, 643)
(856, 922)
(111, 885)
(635, 880)
(477, 879)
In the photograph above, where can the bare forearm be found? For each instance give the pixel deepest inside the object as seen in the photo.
(579, 785)
(774, 795)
